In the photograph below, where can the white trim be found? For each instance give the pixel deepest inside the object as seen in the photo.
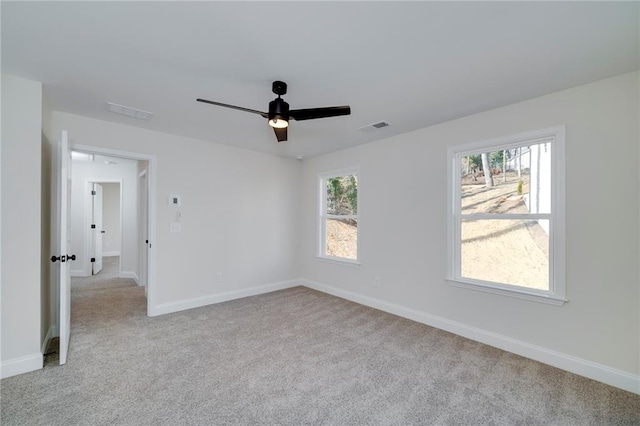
(602, 373)
(339, 260)
(87, 218)
(506, 290)
(341, 216)
(151, 211)
(110, 253)
(21, 365)
(345, 171)
(129, 274)
(323, 216)
(167, 308)
(556, 294)
(506, 216)
(79, 273)
(47, 339)
(533, 137)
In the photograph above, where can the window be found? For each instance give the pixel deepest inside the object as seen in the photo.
(339, 216)
(506, 216)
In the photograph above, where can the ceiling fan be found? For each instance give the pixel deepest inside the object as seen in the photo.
(279, 113)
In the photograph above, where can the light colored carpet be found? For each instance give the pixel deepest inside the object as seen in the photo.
(291, 357)
(106, 278)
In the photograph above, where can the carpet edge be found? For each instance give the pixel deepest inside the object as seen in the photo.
(599, 372)
(211, 299)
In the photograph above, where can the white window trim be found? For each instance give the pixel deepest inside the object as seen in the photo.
(322, 216)
(557, 244)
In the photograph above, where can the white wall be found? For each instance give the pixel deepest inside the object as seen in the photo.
(21, 225)
(97, 171)
(47, 287)
(238, 212)
(402, 229)
(111, 219)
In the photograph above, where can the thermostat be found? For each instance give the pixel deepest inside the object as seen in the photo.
(174, 200)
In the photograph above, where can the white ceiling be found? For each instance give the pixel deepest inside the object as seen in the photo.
(411, 64)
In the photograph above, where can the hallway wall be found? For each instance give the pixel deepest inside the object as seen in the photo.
(97, 171)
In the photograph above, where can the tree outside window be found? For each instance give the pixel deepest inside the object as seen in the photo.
(339, 216)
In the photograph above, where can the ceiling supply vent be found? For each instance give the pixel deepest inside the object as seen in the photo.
(129, 112)
(373, 127)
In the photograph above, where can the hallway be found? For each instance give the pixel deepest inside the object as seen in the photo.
(97, 302)
(106, 278)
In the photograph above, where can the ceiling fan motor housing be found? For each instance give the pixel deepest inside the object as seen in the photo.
(278, 108)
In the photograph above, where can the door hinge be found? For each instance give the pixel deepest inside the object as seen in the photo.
(93, 192)
(93, 226)
(93, 259)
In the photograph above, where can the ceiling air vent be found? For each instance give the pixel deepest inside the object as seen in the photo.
(129, 112)
(373, 127)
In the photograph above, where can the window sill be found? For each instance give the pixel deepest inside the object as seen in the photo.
(339, 261)
(519, 294)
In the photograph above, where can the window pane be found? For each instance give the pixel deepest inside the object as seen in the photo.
(519, 180)
(342, 195)
(512, 252)
(342, 238)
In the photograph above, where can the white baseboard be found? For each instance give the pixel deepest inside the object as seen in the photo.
(602, 373)
(167, 308)
(24, 364)
(110, 253)
(129, 274)
(79, 273)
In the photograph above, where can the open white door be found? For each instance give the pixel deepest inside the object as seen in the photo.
(63, 237)
(96, 228)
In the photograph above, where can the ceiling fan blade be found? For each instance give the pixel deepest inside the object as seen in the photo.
(311, 113)
(281, 134)
(264, 114)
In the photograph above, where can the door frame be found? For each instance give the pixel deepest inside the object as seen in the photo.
(62, 230)
(151, 210)
(143, 223)
(86, 204)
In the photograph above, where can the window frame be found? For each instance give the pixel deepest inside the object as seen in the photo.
(323, 216)
(556, 295)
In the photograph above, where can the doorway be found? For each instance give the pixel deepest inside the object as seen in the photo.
(104, 213)
(105, 217)
(127, 228)
(63, 220)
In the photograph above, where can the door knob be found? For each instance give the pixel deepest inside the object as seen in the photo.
(71, 257)
(54, 258)
(103, 231)
(62, 258)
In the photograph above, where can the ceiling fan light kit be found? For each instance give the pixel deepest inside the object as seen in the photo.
(278, 108)
(279, 114)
